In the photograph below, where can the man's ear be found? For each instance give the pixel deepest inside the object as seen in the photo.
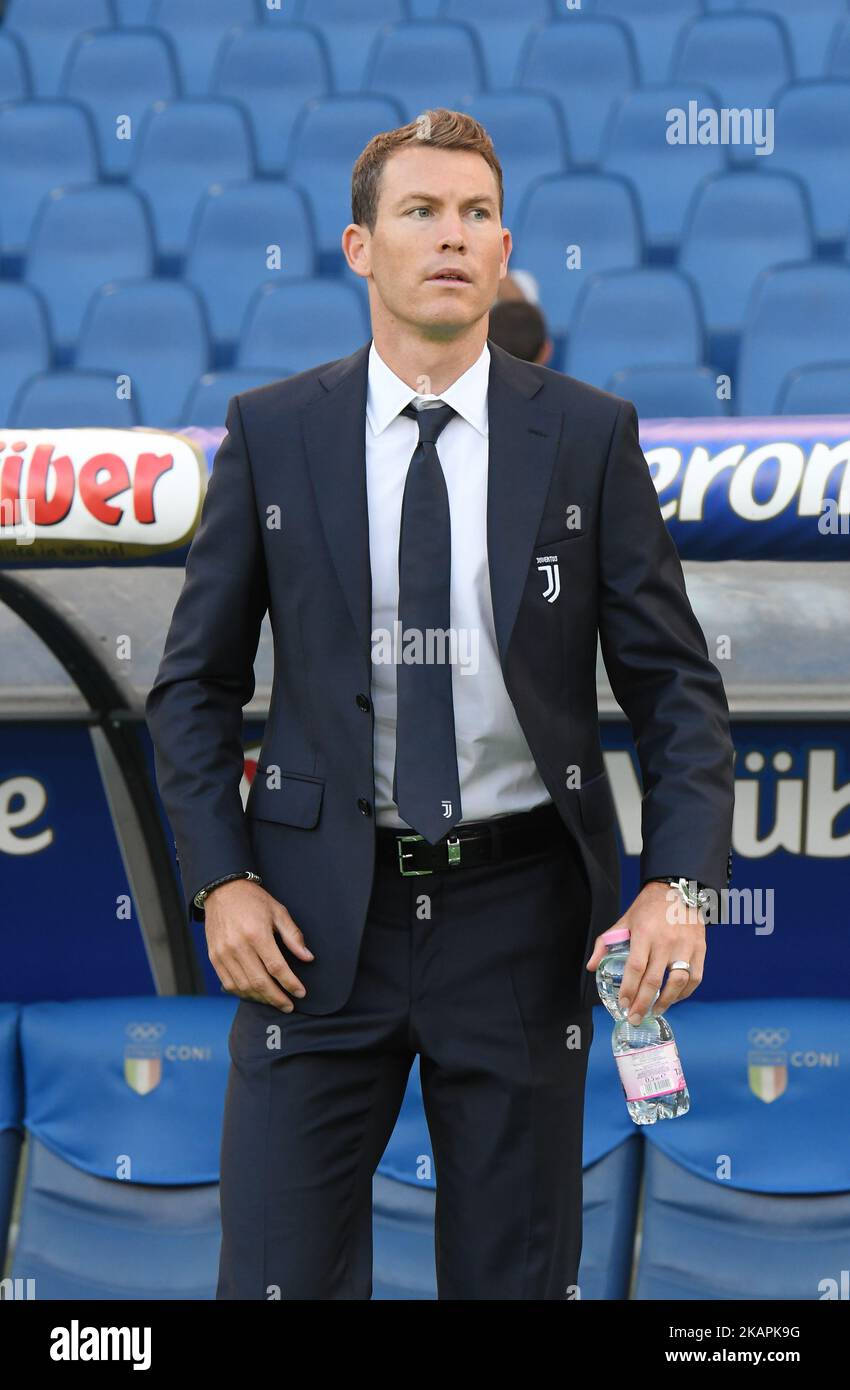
(355, 248)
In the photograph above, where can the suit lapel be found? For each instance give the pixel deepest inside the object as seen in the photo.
(523, 445)
(335, 439)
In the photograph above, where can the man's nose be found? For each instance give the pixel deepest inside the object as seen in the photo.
(451, 230)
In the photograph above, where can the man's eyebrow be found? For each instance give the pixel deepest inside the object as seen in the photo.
(432, 198)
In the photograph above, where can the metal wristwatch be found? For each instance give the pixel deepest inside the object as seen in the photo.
(700, 897)
(228, 878)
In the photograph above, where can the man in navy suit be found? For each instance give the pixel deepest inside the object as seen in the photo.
(427, 859)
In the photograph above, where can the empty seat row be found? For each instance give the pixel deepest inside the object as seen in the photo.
(244, 235)
(569, 227)
(152, 337)
(482, 42)
(796, 318)
(585, 67)
(185, 147)
(80, 399)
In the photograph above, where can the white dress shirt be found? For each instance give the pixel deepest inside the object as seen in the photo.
(498, 775)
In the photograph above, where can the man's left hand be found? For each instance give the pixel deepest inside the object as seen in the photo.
(662, 929)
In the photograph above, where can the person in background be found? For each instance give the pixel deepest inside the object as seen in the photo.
(520, 328)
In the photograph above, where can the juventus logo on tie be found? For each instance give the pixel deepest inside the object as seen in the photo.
(447, 809)
(548, 565)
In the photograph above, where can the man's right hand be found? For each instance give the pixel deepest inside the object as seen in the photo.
(241, 919)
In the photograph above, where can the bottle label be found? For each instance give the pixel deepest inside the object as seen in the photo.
(649, 1072)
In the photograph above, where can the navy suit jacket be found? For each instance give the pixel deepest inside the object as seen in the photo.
(560, 450)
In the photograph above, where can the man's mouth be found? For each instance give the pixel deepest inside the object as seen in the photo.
(449, 277)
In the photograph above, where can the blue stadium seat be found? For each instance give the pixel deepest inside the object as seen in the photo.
(774, 1223)
(527, 130)
(634, 318)
(586, 64)
(612, 1158)
(228, 253)
(47, 28)
(425, 64)
(611, 1192)
(350, 26)
(598, 214)
(42, 144)
(120, 73)
(403, 1266)
(15, 80)
(703, 1240)
(797, 316)
(155, 333)
(124, 1104)
(302, 324)
(738, 225)
(329, 134)
(183, 148)
(11, 1105)
(670, 392)
(839, 55)
(813, 141)
(131, 13)
(273, 73)
(197, 29)
(502, 27)
(403, 1197)
(281, 14)
(744, 58)
(71, 400)
(25, 351)
(83, 238)
(822, 389)
(811, 27)
(207, 401)
(665, 175)
(655, 25)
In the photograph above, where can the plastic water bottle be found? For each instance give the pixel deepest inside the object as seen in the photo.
(645, 1053)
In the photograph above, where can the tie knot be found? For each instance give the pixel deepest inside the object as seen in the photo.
(432, 420)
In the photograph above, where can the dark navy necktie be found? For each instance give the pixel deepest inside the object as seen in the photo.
(426, 786)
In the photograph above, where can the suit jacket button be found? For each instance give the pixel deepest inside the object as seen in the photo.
(364, 806)
(364, 703)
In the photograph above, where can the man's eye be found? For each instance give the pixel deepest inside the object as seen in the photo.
(423, 208)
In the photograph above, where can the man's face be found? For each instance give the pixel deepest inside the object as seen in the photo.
(436, 209)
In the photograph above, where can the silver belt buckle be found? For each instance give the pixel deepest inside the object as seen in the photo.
(453, 846)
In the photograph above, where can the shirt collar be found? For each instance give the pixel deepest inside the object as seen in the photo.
(387, 394)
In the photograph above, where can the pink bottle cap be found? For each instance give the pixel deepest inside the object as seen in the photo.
(616, 934)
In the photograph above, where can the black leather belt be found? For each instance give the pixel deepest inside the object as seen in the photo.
(473, 842)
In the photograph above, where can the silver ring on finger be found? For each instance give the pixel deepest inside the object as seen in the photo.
(680, 965)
